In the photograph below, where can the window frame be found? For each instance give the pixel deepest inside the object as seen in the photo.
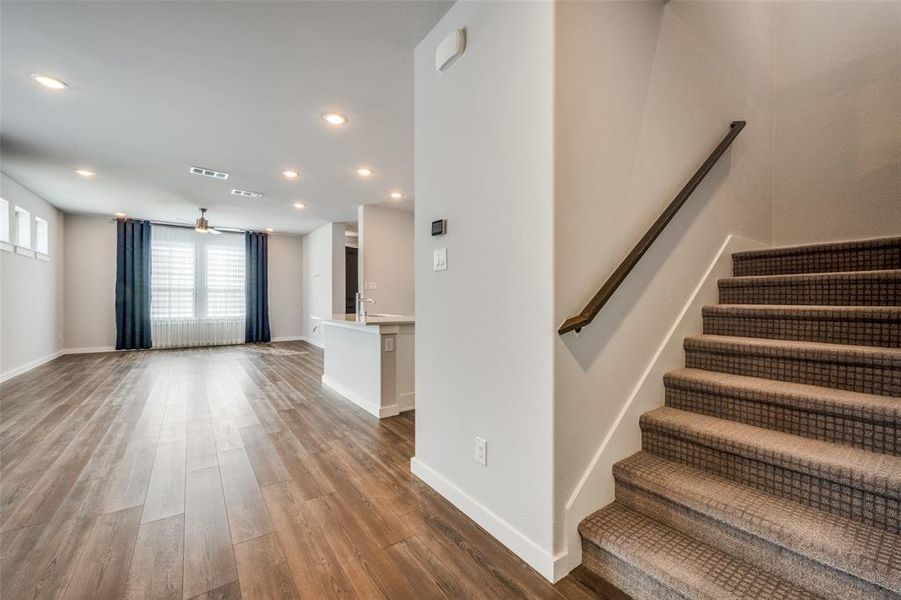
(5, 236)
(42, 238)
(25, 248)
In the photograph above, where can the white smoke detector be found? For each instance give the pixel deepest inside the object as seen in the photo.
(450, 49)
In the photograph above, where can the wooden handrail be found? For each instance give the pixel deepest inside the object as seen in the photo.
(610, 286)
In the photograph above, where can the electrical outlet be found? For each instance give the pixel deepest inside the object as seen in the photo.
(481, 454)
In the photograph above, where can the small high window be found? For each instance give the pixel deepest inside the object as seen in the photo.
(42, 236)
(23, 228)
(4, 221)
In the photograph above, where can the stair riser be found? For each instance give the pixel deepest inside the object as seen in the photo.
(852, 292)
(809, 574)
(815, 491)
(834, 261)
(885, 334)
(864, 431)
(624, 576)
(866, 378)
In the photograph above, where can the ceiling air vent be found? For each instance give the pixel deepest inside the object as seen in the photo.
(247, 194)
(209, 173)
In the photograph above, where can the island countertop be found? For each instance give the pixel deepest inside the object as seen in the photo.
(372, 319)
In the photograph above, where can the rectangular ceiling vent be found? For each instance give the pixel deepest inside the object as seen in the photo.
(247, 194)
(209, 173)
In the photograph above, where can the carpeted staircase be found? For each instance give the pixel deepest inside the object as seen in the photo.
(774, 468)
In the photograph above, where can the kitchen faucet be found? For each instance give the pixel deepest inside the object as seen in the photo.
(361, 306)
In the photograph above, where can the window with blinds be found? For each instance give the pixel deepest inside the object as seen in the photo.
(197, 287)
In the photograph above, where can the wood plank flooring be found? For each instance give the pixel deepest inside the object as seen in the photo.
(227, 473)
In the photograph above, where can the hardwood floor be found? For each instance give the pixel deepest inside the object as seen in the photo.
(227, 473)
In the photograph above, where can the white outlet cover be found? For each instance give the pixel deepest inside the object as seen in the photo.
(371, 285)
(481, 452)
(389, 344)
(439, 259)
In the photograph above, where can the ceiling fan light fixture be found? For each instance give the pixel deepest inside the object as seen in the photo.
(201, 225)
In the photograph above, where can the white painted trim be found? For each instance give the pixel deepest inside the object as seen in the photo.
(23, 251)
(289, 338)
(314, 341)
(42, 256)
(6, 246)
(505, 533)
(585, 498)
(93, 350)
(406, 401)
(361, 401)
(30, 365)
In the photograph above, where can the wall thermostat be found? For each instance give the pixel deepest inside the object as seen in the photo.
(439, 227)
(450, 49)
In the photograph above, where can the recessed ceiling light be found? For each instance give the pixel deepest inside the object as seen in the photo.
(50, 82)
(269, 230)
(85, 172)
(396, 195)
(291, 174)
(120, 215)
(298, 205)
(364, 172)
(334, 119)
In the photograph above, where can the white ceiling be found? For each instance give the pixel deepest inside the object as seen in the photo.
(156, 87)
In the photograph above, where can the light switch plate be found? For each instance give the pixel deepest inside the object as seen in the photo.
(371, 285)
(389, 344)
(439, 259)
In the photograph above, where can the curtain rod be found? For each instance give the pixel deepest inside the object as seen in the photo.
(186, 226)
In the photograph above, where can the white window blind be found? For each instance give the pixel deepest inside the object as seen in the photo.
(23, 228)
(197, 288)
(4, 221)
(42, 235)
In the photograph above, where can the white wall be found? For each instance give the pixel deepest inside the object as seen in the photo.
(31, 290)
(90, 276)
(484, 328)
(386, 258)
(645, 91)
(838, 121)
(286, 286)
(323, 277)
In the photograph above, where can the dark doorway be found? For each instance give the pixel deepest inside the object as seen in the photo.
(351, 279)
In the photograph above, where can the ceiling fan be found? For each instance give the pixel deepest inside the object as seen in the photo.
(201, 225)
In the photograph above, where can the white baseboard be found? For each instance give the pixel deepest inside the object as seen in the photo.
(623, 438)
(289, 338)
(406, 402)
(30, 365)
(93, 350)
(365, 403)
(313, 341)
(505, 533)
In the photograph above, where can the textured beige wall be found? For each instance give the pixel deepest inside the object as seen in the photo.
(837, 121)
(90, 276)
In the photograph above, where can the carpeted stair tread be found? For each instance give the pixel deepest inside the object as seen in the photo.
(813, 398)
(683, 566)
(868, 369)
(877, 253)
(868, 553)
(857, 325)
(849, 288)
(876, 473)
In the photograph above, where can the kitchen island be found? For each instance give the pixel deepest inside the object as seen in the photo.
(371, 362)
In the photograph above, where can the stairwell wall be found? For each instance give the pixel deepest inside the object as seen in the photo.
(644, 92)
(837, 101)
